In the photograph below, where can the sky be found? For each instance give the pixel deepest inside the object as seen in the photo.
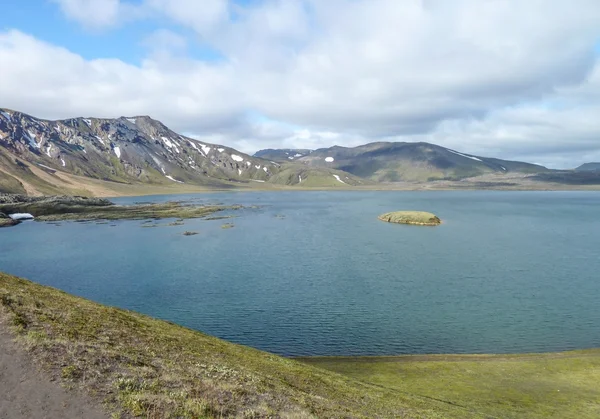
(511, 79)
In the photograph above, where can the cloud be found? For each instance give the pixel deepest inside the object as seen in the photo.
(189, 95)
(202, 16)
(504, 78)
(91, 13)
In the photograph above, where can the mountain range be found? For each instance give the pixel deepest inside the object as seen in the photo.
(39, 156)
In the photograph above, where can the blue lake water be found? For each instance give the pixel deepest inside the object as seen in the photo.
(506, 272)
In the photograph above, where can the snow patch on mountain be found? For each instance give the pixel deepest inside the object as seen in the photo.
(464, 155)
(339, 180)
(171, 178)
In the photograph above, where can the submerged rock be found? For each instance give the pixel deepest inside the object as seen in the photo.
(6, 221)
(411, 217)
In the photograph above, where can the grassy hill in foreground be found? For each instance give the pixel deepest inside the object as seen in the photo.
(139, 366)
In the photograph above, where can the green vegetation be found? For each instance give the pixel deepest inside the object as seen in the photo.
(553, 385)
(138, 212)
(227, 225)
(411, 217)
(140, 366)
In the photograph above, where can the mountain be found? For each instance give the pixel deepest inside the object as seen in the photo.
(123, 150)
(586, 167)
(393, 162)
(83, 155)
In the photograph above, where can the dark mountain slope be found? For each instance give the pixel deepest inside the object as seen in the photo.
(587, 167)
(392, 162)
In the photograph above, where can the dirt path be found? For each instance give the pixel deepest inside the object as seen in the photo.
(25, 392)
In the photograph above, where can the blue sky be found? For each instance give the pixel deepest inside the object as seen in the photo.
(44, 20)
(507, 79)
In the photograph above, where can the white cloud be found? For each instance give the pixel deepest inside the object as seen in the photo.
(202, 16)
(502, 77)
(189, 95)
(92, 13)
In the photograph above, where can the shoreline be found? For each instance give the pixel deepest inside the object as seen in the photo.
(132, 364)
(415, 188)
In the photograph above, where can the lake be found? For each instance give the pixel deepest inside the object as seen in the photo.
(315, 273)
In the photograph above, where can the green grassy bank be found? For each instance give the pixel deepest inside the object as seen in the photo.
(553, 385)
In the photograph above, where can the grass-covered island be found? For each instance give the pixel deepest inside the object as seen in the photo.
(138, 366)
(62, 208)
(411, 217)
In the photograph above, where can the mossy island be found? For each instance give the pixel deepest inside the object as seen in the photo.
(420, 218)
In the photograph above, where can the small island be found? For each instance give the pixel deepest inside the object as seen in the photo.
(420, 218)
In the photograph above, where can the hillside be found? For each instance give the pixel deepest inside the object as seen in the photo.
(395, 162)
(146, 367)
(586, 167)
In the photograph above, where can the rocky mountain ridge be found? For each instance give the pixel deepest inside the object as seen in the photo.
(125, 149)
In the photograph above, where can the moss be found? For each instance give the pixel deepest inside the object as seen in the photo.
(411, 217)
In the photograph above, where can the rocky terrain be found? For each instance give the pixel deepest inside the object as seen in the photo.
(59, 208)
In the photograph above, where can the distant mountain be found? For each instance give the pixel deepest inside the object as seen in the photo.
(586, 167)
(393, 162)
(570, 177)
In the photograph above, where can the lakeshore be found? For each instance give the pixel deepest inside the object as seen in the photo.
(128, 364)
